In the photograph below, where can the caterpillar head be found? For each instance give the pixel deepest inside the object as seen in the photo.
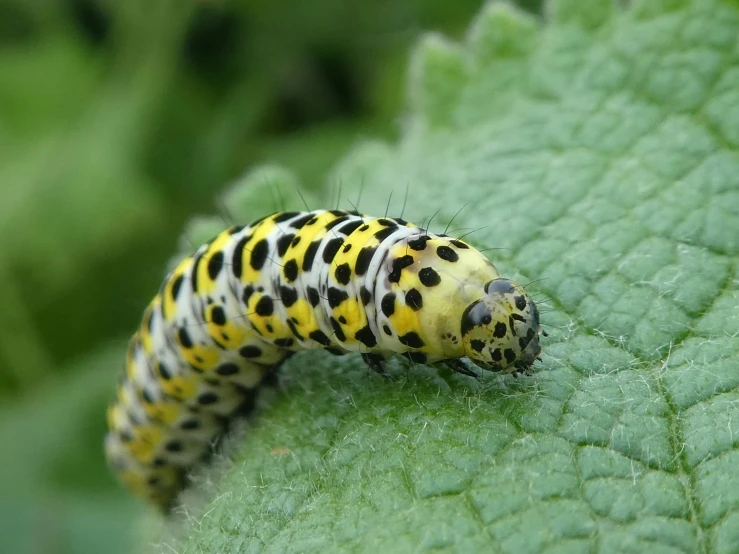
(500, 331)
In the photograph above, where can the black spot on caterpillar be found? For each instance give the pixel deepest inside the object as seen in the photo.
(226, 317)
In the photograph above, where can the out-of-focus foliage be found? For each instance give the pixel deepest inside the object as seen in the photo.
(118, 121)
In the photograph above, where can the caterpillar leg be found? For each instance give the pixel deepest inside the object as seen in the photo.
(459, 366)
(376, 362)
(272, 377)
(522, 369)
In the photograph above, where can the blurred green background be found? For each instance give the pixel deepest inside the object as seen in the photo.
(118, 122)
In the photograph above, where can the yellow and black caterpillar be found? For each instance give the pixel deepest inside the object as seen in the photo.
(226, 317)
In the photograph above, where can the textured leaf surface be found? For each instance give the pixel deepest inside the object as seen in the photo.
(600, 150)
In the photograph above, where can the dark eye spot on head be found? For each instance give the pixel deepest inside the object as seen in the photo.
(447, 253)
(499, 286)
(520, 302)
(474, 315)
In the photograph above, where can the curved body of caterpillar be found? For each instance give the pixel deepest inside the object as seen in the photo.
(227, 316)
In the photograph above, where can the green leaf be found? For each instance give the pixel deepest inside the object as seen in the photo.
(598, 150)
(58, 495)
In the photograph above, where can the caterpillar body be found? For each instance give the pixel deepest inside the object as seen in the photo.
(225, 318)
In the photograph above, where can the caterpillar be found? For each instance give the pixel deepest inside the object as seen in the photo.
(225, 318)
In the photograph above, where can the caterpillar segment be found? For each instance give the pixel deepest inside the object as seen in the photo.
(228, 316)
